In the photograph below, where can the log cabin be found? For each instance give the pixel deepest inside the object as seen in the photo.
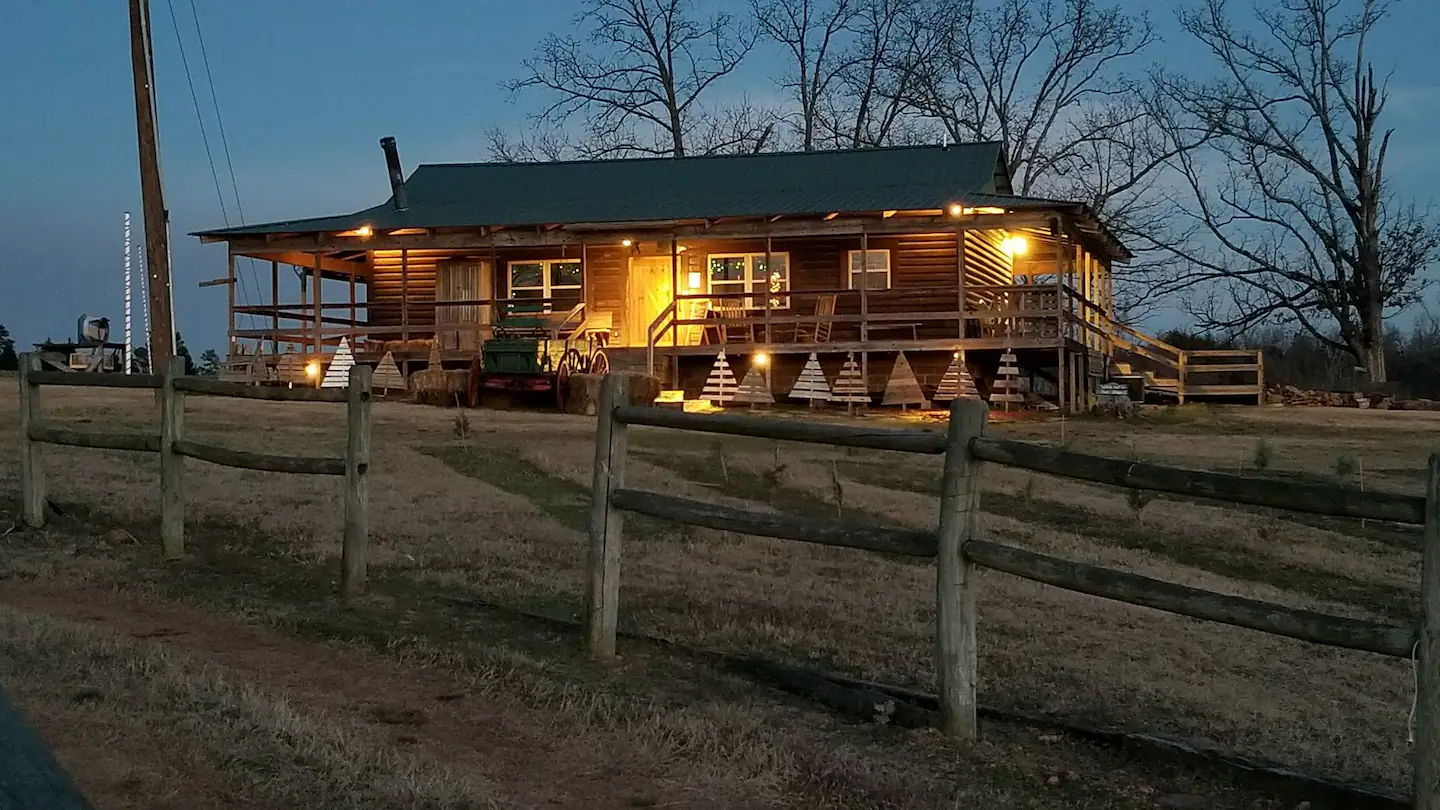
(661, 263)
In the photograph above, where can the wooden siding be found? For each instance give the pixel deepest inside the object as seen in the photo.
(923, 271)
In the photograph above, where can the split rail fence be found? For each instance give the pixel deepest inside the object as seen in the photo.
(958, 551)
(174, 448)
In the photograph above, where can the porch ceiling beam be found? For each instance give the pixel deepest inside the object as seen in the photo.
(569, 235)
(300, 258)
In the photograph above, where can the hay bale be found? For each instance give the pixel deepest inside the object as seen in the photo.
(583, 395)
(434, 386)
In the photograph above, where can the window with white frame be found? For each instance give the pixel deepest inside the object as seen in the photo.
(870, 269)
(748, 272)
(562, 280)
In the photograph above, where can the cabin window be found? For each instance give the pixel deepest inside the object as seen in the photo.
(747, 273)
(560, 280)
(870, 269)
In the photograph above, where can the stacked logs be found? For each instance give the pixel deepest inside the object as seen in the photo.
(1291, 395)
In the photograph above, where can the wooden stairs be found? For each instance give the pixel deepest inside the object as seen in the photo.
(1169, 373)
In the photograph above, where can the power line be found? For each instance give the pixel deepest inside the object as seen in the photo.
(225, 147)
(219, 121)
(204, 135)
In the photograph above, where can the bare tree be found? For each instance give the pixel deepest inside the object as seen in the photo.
(873, 104)
(813, 34)
(1287, 216)
(636, 81)
(1025, 73)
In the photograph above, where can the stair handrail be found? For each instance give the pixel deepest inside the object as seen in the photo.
(651, 336)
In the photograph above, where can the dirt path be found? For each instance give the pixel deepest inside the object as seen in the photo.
(424, 711)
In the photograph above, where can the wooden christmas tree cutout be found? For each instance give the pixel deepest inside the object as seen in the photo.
(812, 384)
(850, 386)
(434, 362)
(338, 374)
(387, 374)
(902, 388)
(753, 389)
(290, 370)
(957, 382)
(720, 386)
(258, 372)
(1006, 387)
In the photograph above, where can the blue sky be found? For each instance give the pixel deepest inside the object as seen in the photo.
(307, 89)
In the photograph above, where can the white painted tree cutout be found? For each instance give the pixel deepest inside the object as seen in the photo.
(720, 386)
(812, 384)
(337, 375)
(902, 388)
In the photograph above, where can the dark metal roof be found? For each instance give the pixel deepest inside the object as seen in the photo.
(904, 178)
(652, 189)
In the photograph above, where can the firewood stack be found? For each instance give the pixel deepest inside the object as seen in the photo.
(1291, 395)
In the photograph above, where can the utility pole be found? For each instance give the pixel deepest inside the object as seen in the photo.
(157, 243)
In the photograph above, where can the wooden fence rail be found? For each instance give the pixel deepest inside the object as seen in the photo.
(956, 549)
(174, 448)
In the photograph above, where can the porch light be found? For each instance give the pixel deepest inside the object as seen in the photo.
(627, 242)
(956, 209)
(761, 359)
(1015, 245)
(364, 231)
(693, 281)
(312, 369)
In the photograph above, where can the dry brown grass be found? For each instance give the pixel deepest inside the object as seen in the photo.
(500, 518)
(234, 743)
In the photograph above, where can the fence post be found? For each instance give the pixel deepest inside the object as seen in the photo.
(1427, 692)
(602, 588)
(355, 553)
(32, 470)
(955, 593)
(172, 464)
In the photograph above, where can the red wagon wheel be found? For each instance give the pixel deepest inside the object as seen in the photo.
(569, 363)
(599, 363)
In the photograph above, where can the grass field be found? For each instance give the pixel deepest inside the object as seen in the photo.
(458, 681)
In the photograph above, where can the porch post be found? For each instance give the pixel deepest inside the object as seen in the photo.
(352, 310)
(864, 305)
(675, 315)
(319, 324)
(767, 297)
(405, 311)
(275, 308)
(1060, 375)
(674, 294)
(304, 327)
(960, 277)
(230, 282)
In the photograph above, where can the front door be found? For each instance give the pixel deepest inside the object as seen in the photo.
(648, 292)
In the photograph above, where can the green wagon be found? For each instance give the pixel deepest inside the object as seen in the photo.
(536, 352)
